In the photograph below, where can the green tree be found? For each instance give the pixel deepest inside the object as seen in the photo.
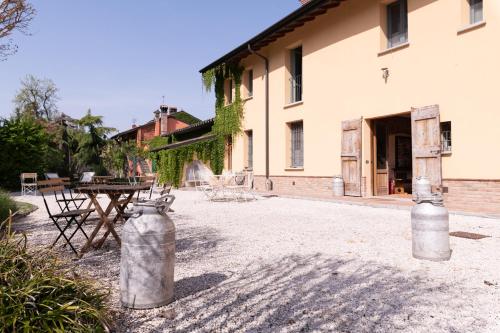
(37, 97)
(91, 142)
(26, 146)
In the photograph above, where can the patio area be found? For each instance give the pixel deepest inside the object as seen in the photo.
(283, 264)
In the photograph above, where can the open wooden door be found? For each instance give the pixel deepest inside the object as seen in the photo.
(426, 144)
(351, 157)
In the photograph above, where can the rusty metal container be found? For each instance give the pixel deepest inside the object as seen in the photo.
(338, 186)
(148, 256)
(430, 229)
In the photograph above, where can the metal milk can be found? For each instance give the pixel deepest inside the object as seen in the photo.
(430, 229)
(338, 186)
(148, 256)
(422, 187)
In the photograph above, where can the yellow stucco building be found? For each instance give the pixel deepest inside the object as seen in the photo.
(379, 92)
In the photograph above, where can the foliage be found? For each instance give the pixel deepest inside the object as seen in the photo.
(227, 124)
(91, 142)
(37, 97)
(115, 156)
(186, 117)
(6, 205)
(26, 146)
(38, 295)
(172, 161)
(15, 15)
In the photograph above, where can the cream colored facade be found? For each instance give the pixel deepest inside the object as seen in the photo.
(445, 62)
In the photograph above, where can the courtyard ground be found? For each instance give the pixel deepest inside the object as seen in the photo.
(296, 265)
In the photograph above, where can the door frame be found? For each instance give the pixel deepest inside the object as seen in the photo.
(373, 142)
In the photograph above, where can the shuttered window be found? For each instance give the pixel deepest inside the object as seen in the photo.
(476, 11)
(250, 150)
(297, 144)
(397, 23)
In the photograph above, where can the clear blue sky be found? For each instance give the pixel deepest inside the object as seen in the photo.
(119, 57)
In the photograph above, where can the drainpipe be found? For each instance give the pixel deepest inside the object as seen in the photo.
(269, 183)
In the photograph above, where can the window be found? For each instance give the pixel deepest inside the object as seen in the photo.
(297, 144)
(446, 137)
(250, 83)
(230, 91)
(296, 75)
(397, 23)
(249, 149)
(476, 11)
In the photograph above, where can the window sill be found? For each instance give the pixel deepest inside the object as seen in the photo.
(294, 169)
(394, 49)
(247, 98)
(471, 27)
(446, 153)
(291, 105)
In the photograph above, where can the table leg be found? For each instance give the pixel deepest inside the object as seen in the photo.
(102, 215)
(109, 224)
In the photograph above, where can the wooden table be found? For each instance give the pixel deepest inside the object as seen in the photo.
(102, 179)
(114, 192)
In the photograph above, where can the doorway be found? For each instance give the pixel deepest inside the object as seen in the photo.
(392, 151)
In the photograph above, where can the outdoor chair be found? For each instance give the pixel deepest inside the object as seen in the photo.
(168, 198)
(28, 183)
(67, 216)
(243, 186)
(76, 200)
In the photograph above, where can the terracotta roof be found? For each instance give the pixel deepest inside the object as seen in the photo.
(298, 18)
(201, 124)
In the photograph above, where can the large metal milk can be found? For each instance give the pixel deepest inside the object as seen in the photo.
(430, 229)
(422, 187)
(148, 256)
(338, 186)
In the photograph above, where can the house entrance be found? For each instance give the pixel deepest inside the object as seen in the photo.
(392, 145)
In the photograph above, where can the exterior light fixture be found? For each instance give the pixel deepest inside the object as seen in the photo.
(385, 73)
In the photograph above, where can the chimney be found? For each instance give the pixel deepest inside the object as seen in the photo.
(134, 125)
(172, 109)
(304, 2)
(157, 123)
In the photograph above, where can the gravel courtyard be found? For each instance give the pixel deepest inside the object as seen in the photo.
(290, 265)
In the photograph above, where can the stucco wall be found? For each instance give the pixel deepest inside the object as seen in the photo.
(342, 80)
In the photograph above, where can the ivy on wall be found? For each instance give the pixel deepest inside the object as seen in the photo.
(227, 124)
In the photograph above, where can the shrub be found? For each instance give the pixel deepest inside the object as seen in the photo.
(38, 295)
(6, 204)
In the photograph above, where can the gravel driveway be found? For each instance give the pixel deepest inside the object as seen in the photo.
(290, 265)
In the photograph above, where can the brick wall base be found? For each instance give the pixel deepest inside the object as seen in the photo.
(466, 195)
(469, 194)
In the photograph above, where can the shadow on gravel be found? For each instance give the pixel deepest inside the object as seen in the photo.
(193, 285)
(194, 243)
(312, 293)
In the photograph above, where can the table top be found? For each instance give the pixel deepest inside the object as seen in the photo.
(111, 188)
(104, 177)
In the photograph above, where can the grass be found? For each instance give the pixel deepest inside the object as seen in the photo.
(6, 205)
(38, 293)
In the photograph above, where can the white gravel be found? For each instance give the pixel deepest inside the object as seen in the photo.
(290, 265)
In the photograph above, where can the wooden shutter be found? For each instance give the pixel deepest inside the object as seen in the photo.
(426, 144)
(351, 157)
(297, 145)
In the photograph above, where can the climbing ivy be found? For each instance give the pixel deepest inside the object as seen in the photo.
(227, 124)
(172, 161)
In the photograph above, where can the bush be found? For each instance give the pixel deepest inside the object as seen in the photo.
(6, 204)
(25, 146)
(38, 295)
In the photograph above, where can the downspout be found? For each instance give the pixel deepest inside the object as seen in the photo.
(269, 183)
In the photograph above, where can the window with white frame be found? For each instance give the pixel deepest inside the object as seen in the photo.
(249, 161)
(397, 23)
(297, 144)
(446, 137)
(250, 83)
(475, 11)
(296, 74)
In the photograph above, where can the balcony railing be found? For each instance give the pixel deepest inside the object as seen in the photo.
(296, 88)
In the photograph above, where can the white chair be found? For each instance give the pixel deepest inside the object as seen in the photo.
(87, 177)
(28, 183)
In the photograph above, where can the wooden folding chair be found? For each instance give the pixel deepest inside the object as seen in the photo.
(76, 216)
